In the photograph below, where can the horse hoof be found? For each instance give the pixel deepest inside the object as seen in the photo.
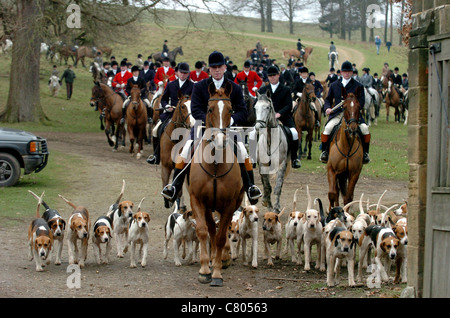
(226, 263)
(216, 282)
(205, 278)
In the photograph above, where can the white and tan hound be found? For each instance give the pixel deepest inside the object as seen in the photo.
(248, 229)
(294, 231)
(272, 234)
(139, 234)
(340, 245)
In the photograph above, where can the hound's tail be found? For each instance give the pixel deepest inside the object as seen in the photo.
(67, 201)
(37, 198)
(39, 205)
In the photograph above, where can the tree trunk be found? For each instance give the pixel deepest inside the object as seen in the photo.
(262, 15)
(386, 21)
(363, 9)
(269, 16)
(400, 40)
(392, 24)
(342, 19)
(23, 103)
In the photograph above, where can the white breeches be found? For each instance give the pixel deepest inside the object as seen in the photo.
(252, 134)
(242, 155)
(335, 121)
(155, 130)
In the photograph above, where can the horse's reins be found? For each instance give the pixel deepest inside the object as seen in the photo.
(265, 124)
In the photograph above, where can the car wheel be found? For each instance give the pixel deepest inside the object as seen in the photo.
(9, 170)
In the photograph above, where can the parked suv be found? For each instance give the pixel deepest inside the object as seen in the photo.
(20, 149)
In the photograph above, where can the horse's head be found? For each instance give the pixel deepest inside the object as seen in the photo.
(180, 50)
(243, 84)
(97, 94)
(218, 116)
(265, 113)
(308, 93)
(351, 110)
(182, 113)
(135, 96)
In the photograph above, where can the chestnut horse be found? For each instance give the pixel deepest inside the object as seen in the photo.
(181, 118)
(304, 117)
(136, 120)
(215, 184)
(112, 113)
(296, 53)
(346, 153)
(392, 98)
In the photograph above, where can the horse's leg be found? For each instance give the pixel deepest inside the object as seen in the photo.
(108, 132)
(202, 234)
(387, 102)
(267, 191)
(165, 175)
(221, 238)
(279, 184)
(352, 180)
(132, 138)
(332, 193)
(310, 138)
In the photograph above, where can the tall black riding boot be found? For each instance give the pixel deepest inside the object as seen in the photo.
(124, 112)
(294, 154)
(324, 154)
(253, 192)
(366, 158)
(154, 159)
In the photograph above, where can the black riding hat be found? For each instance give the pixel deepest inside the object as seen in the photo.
(216, 59)
(347, 66)
(134, 68)
(183, 67)
(272, 70)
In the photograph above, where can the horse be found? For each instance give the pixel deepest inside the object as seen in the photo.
(333, 57)
(304, 117)
(181, 118)
(392, 97)
(215, 185)
(369, 106)
(66, 53)
(308, 52)
(346, 153)
(98, 100)
(250, 102)
(172, 55)
(136, 120)
(273, 151)
(54, 85)
(155, 106)
(106, 51)
(84, 51)
(112, 113)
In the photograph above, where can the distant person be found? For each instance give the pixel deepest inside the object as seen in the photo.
(388, 45)
(165, 50)
(69, 76)
(378, 44)
(252, 79)
(300, 47)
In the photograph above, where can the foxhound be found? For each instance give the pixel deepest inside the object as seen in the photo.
(102, 235)
(386, 245)
(272, 234)
(340, 245)
(121, 214)
(401, 231)
(248, 229)
(79, 225)
(294, 231)
(139, 234)
(182, 226)
(40, 240)
(233, 234)
(57, 225)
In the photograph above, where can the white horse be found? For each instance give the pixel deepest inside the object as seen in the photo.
(272, 150)
(333, 58)
(54, 85)
(6, 46)
(370, 104)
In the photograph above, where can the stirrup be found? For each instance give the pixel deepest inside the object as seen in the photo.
(324, 157)
(255, 196)
(168, 188)
(366, 158)
(122, 120)
(151, 159)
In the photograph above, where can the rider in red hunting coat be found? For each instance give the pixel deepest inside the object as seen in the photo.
(120, 80)
(251, 77)
(164, 70)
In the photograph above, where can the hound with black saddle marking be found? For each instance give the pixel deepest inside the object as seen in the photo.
(79, 225)
(57, 225)
(121, 214)
(102, 235)
(340, 245)
(40, 240)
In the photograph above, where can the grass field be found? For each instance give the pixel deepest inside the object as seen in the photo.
(389, 141)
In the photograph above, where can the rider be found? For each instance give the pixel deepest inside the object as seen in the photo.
(367, 82)
(300, 47)
(331, 77)
(165, 50)
(198, 74)
(335, 96)
(282, 104)
(120, 80)
(199, 104)
(332, 49)
(298, 90)
(254, 82)
(164, 71)
(318, 89)
(140, 82)
(168, 101)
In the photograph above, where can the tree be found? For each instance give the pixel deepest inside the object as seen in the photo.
(329, 20)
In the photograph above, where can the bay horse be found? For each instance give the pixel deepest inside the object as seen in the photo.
(172, 55)
(85, 51)
(250, 102)
(346, 153)
(308, 52)
(181, 118)
(136, 120)
(273, 151)
(392, 97)
(304, 117)
(215, 184)
(112, 113)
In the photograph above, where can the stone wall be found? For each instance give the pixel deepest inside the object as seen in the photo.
(429, 18)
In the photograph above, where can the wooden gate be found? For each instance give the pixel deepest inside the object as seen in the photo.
(437, 237)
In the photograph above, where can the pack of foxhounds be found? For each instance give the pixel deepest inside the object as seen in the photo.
(376, 237)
